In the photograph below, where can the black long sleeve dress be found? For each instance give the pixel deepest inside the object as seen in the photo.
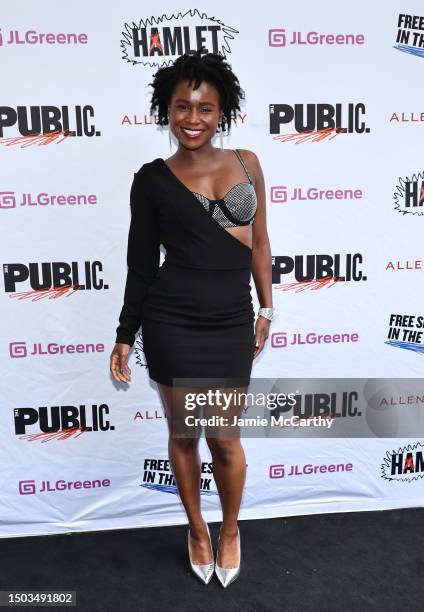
(196, 309)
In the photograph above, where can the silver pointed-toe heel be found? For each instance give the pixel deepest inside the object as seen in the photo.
(205, 571)
(227, 575)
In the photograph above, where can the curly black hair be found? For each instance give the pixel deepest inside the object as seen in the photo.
(212, 68)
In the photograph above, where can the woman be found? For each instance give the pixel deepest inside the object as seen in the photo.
(206, 205)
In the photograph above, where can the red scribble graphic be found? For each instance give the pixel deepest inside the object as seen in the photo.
(311, 135)
(409, 464)
(60, 434)
(313, 285)
(41, 139)
(52, 294)
(156, 42)
(421, 195)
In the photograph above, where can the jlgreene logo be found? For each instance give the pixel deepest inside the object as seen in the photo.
(277, 37)
(282, 339)
(280, 194)
(281, 471)
(32, 37)
(29, 487)
(156, 41)
(18, 350)
(11, 199)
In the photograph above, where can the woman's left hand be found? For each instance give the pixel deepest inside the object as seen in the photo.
(261, 334)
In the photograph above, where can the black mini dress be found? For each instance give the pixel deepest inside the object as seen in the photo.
(195, 310)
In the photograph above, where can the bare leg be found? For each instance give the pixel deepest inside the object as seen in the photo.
(186, 467)
(229, 470)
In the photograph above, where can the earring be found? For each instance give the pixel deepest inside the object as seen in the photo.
(221, 133)
(170, 140)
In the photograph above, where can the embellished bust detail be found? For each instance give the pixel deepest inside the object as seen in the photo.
(237, 207)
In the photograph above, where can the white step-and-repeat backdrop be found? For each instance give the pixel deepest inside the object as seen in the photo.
(334, 112)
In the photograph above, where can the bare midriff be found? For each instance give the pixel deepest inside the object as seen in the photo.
(242, 233)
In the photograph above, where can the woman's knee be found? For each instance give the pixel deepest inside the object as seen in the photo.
(223, 449)
(184, 445)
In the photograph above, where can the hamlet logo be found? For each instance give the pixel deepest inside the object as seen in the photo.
(157, 41)
(410, 35)
(405, 464)
(316, 122)
(316, 271)
(157, 475)
(409, 195)
(51, 279)
(405, 331)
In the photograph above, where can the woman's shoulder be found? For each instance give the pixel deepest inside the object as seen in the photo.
(248, 155)
(251, 160)
(146, 168)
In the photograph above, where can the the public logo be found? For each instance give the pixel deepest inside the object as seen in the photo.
(45, 423)
(51, 279)
(41, 125)
(316, 122)
(316, 271)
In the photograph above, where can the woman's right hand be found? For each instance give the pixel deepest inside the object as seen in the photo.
(118, 362)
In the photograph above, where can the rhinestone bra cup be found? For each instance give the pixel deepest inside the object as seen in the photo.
(236, 208)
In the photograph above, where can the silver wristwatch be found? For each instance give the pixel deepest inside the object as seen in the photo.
(267, 313)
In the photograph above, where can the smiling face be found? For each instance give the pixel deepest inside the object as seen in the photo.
(194, 114)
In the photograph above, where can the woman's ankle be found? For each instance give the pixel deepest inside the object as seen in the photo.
(197, 526)
(230, 530)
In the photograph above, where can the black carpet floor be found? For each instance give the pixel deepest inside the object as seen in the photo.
(331, 562)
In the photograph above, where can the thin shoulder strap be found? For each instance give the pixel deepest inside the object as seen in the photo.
(236, 151)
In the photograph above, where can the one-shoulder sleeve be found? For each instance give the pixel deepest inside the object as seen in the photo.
(143, 256)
